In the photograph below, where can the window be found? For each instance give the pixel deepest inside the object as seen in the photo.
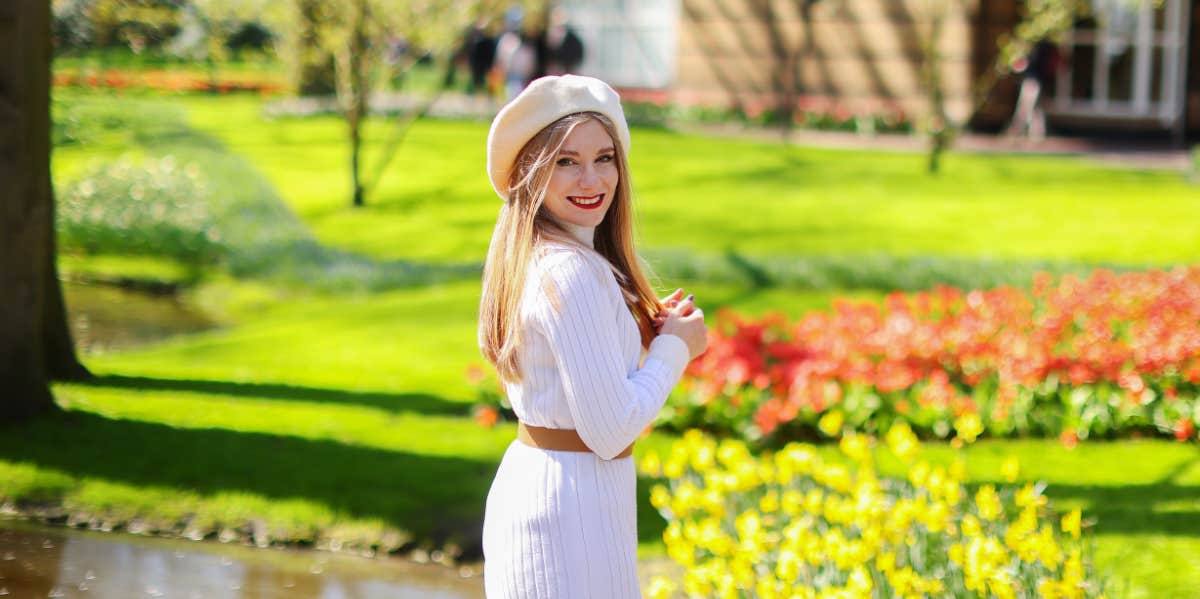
(628, 43)
(1128, 63)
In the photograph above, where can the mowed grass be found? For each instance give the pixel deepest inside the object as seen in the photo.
(716, 195)
(347, 415)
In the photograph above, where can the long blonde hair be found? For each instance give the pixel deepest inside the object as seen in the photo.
(524, 223)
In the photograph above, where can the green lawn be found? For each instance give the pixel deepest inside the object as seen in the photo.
(715, 195)
(345, 415)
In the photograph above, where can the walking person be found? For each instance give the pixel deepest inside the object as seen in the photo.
(480, 49)
(561, 49)
(586, 351)
(1037, 69)
(515, 57)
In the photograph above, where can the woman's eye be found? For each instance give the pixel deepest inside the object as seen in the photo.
(605, 158)
(565, 162)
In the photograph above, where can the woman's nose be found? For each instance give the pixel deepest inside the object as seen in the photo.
(589, 177)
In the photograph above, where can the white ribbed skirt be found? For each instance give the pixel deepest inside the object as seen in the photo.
(561, 525)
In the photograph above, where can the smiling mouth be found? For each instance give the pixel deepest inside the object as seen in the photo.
(587, 202)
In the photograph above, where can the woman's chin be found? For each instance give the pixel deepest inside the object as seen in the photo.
(587, 219)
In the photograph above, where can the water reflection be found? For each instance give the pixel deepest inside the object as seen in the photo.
(40, 562)
(106, 318)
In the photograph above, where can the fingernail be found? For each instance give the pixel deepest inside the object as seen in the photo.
(689, 297)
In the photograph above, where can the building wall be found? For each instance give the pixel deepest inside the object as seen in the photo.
(993, 19)
(1193, 73)
(856, 56)
(860, 57)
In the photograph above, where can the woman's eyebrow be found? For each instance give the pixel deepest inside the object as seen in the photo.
(607, 150)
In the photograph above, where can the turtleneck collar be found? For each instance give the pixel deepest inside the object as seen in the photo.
(585, 235)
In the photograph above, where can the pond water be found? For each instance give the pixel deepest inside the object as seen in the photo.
(106, 317)
(42, 562)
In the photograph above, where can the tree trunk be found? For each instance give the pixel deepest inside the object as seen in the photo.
(938, 127)
(358, 97)
(314, 73)
(784, 82)
(25, 206)
(355, 124)
(62, 363)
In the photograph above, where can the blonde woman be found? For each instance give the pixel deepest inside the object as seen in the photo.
(586, 351)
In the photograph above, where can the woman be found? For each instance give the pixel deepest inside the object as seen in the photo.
(586, 352)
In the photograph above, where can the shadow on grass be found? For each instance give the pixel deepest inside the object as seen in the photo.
(391, 402)
(1163, 507)
(867, 272)
(1166, 506)
(1132, 509)
(650, 523)
(437, 500)
(260, 235)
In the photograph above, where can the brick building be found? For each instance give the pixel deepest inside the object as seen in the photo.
(1137, 69)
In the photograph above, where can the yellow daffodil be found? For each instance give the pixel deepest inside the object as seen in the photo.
(703, 458)
(856, 447)
(651, 465)
(792, 502)
(919, 474)
(1029, 495)
(782, 525)
(831, 423)
(661, 587)
(1071, 522)
(969, 427)
(1010, 469)
(860, 582)
(660, 497)
(769, 502)
(902, 441)
(988, 503)
(971, 527)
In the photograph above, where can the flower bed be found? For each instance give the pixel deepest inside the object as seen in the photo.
(1106, 355)
(164, 81)
(791, 524)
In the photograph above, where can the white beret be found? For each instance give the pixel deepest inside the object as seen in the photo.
(544, 101)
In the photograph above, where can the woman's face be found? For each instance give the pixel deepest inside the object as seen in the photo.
(585, 176)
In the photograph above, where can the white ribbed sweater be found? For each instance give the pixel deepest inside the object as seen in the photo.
(564, 524)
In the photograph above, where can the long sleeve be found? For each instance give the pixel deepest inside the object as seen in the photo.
(577, 311)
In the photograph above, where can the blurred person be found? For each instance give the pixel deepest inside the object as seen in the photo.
(1037, 69)
(516, 59)
(480, 48)
(561, 48)
(516, 56)
(587, 353)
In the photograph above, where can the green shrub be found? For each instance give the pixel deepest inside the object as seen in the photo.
(80, 120)
(125, 207)
(881, 272)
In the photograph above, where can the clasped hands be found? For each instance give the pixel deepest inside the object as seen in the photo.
(680, 317)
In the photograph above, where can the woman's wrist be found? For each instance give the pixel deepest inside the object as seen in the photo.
(672, 350)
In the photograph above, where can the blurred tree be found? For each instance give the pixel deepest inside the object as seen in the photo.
(937, 126)
(311, 62)
(250, 36)
(35, 343)
(72, 29)
(136, 24)
(786, 80)
(207, 28)
(374, 40)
